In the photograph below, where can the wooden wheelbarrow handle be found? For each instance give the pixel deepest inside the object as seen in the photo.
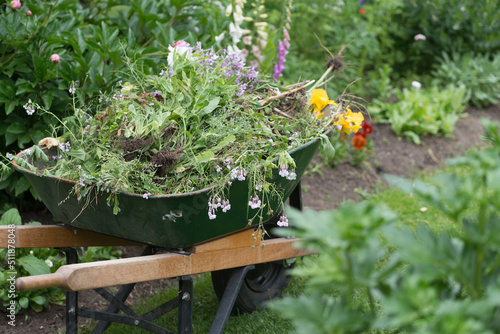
(84, 276)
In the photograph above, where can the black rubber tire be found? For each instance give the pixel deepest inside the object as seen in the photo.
(262, 284)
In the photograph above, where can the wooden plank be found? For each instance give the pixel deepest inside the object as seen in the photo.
(84, 276)
(58, 236)
(247, 238)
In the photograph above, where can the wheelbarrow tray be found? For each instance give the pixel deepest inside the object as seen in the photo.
(170, 221)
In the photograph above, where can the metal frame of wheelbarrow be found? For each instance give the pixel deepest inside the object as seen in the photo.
(238, 251)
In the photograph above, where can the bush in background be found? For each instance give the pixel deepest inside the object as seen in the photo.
(480, 74)
(47, 47)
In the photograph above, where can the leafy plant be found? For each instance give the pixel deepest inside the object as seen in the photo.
(478, 73)
(456, 26)
(373, 276)
(422, 111)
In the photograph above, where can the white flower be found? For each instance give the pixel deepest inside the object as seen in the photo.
(72, 89)
(284, 171)
(255, 202)
(211, 214)
(420, 36)
(49, 263)
(180, 48)
(146, 195)
(235, 32)
(219, 38)
(258, 187)
(416, 84)
(238, 15)
(229, 10)
(233, 49)
(291, 176)
(283, 222)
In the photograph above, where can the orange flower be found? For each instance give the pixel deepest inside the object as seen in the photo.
(362, 11)
(358, 141)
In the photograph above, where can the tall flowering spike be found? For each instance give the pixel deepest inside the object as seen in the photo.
(279, 67)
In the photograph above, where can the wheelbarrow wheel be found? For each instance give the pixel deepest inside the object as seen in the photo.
(262, 284)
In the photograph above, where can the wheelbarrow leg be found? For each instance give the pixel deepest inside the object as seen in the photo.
(121, 296)
(185, 306)
(227, 301)
(71, 296)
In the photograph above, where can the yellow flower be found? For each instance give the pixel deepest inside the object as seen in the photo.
(349, 122)
(319, 100)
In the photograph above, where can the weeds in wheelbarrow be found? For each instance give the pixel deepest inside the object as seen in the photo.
(205, 121)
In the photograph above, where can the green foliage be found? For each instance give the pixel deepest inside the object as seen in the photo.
(455, 26)
(373, 276)
(38, 261)
(90, 38)
(480, 74)
(422, 111)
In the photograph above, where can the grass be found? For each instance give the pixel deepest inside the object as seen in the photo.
(205, 304)
(410, 211)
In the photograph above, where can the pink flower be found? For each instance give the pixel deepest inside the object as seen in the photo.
(55, 58)
(15, 4)
(29, 13)
(181, 43)
(420, 36)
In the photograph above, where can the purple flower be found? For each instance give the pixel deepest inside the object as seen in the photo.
(226, 206)
(211, 214)
(283, 222)
(279, 67)
(255, 202)
(82, 183)
(239, 173)
(242, 89)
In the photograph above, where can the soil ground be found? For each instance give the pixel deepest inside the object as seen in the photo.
(322, 191)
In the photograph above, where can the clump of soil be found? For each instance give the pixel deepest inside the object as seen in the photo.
(164, 160)
(133, 148)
